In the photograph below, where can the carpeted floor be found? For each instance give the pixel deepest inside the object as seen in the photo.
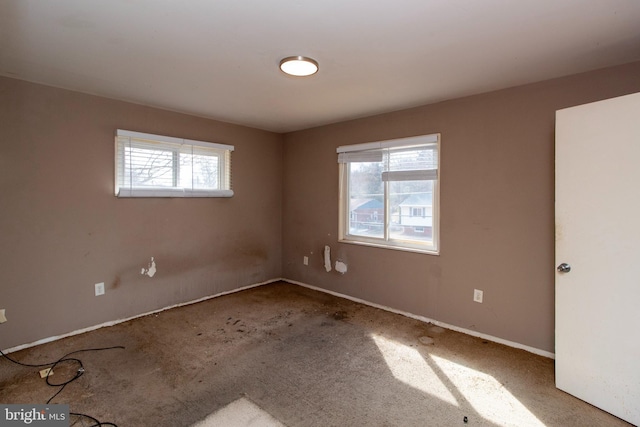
(300, 358)
(240, 413)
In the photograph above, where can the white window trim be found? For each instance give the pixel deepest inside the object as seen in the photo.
(121, 190)
(367, 152)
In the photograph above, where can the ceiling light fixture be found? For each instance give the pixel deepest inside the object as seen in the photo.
(299, 66)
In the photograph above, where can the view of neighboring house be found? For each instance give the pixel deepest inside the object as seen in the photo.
(365, 214)
(413, 216)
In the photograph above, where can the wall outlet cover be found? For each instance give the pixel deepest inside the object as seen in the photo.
(99, 288)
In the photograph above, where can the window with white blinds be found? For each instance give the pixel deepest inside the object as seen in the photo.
(389, 192)
(149, 165)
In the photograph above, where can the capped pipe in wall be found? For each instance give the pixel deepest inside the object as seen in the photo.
(327, 258)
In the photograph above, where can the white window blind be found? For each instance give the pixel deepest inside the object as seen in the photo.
(148, 165)
(406, 159)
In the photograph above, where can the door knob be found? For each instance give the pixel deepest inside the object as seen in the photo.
(564, 268)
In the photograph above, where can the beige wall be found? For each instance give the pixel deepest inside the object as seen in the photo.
(497, 208)
(62, 230)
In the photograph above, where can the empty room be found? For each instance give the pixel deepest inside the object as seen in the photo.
(296, 213)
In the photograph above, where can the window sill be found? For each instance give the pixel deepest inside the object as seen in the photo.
(392, 247)
(171, 192)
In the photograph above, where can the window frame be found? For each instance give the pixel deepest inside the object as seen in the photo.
(387, 241)
(125, 188)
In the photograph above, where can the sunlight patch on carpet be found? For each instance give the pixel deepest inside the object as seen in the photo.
(486, 395)
(408, 365)
(455, 384)
(240, 413)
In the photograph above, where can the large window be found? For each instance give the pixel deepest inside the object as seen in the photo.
(389, 193)
(160, 166)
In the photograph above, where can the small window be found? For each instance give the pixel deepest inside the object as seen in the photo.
(389, 192)
(417, 211)
(161, 166)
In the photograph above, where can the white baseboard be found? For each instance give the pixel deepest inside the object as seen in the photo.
(115, 322)
(293, 282)
(433, 321)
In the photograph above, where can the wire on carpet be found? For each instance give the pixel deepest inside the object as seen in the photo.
(79, 372)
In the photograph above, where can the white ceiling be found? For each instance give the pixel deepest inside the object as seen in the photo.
(219, 58)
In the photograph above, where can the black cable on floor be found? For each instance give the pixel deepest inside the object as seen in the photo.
(62, 385)
(96, 423)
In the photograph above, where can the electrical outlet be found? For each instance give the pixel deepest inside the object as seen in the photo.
(99, 288)
(477, 295)
(305, 260)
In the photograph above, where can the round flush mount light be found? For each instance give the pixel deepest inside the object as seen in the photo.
(299, 66)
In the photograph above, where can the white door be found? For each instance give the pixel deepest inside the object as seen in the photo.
(598, 236)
